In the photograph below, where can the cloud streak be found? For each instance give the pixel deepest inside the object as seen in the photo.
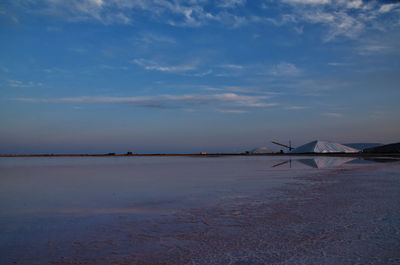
(333, 114)
(155, 66)
(307, 1)
(21, 84)
(168, 101)
(232, 111)
(296, 108)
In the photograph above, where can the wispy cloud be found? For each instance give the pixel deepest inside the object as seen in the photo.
(229, 70)
(78, 50)
(339, 23)
(282, 20)
(148, 38)
(189, 13)
(388, 7)
(54, 70)
(231, 3)
(284, 69)
(337, 64)
(354, 3)
(201, 74)
(307, 1)
(231, 66)
(342, 18)
(256, 90)
(111, 67)
(332, 114)
(296, 107)
(54, 29)
(319, 85)
(21, 84)
(4, 69)
(232, 111)
(155, 66)
(369, 48)
(186, 13)
(168, 101)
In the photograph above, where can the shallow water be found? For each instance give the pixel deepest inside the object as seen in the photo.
(46, 186)
(44, 200)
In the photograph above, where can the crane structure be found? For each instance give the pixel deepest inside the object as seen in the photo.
(284, 145)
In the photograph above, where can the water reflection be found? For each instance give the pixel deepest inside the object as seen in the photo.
(321, 162)
(39, 186)
(326, 162)
(283, 163)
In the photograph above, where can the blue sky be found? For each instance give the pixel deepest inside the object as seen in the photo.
(188, 76)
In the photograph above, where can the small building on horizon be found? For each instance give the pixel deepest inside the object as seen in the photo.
(261, 150)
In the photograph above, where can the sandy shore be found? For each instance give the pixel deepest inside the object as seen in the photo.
(344, 216)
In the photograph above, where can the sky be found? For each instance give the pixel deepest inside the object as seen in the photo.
(172, 76)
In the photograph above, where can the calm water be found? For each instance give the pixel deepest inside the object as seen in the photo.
(46, 186)
(47, 199)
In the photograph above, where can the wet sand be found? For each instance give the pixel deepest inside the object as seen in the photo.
(342, 216)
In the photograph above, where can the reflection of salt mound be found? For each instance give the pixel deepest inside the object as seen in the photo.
(261, 150)
(324, 147)
(326, 162)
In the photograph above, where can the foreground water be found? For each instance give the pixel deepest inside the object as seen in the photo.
(149, 210)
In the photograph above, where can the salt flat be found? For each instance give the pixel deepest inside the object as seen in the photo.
(221, 210)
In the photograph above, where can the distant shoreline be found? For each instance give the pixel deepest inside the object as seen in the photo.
(208, 155)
